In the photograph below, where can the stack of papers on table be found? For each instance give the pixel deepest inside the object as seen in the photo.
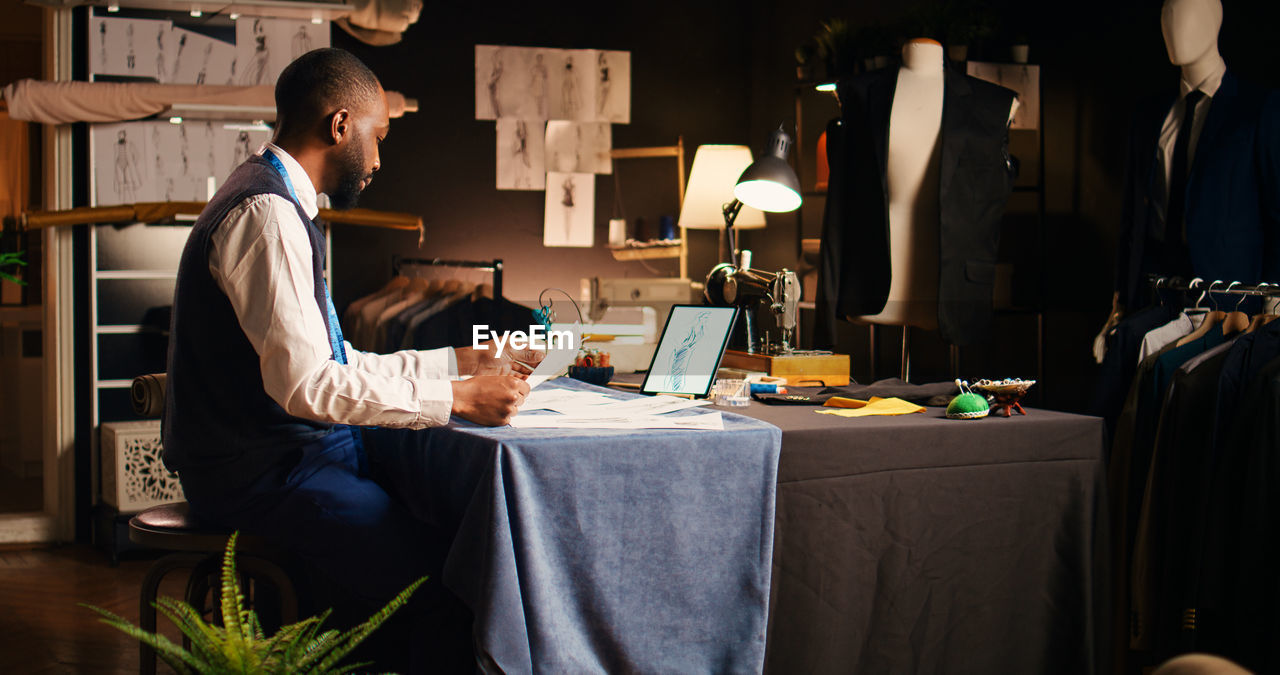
(572, 409)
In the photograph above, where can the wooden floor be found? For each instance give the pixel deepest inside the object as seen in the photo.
(44, 630)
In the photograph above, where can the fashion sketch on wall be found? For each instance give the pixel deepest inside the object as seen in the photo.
(160, 51)
(152, 161)
(570, 210)
(582, 85)
(579, 147)
(521, 164)
(265, 46)
(130, 47)
(613, 88)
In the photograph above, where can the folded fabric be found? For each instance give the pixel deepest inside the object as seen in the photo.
(936, 393)
(849, 407)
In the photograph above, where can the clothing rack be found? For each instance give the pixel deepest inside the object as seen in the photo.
(1265, 290)
(494, 266)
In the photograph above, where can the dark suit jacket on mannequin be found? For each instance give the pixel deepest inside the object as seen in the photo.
(974, 186)
(1233, 192)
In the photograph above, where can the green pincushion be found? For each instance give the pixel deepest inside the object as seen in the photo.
(967, 406)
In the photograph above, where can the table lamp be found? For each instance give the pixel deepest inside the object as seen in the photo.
(716, 169)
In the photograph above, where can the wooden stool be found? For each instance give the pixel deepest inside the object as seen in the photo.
(170, 527)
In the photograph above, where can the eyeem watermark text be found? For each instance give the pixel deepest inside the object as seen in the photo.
(538, 337)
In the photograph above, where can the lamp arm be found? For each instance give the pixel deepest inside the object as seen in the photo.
(730, 214)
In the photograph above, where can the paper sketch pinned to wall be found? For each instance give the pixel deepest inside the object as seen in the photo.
(512, 82)
(200, 59)
(265, 46)
(521, 160)
(158, 161)
(570, 210)
(1022, 78)
(130, 47)
(613, 87)
(583, 85)
(579, 147)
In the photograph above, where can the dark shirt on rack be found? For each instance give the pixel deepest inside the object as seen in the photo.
(1247, 357)
(1237, 595)
(1121, 360)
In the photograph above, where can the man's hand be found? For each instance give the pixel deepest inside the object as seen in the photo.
(489, 361)
(490, 400)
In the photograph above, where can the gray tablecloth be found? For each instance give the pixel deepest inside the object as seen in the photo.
(607, 551)
(918, 544)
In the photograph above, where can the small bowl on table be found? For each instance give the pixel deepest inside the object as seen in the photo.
(597, 375)
(1005, 394)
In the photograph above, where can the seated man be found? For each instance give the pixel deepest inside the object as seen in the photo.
(265, 400)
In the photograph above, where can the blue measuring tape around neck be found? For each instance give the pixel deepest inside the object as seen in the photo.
(335, 330)
(276, 164)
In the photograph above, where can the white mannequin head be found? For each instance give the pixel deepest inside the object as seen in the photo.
(1190, 29)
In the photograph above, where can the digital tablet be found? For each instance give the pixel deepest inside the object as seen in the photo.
(689, 351)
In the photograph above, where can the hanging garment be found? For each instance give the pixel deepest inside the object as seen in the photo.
(1170, 332)
(975, 182)
(1173, 502)
(1236, 596)
(1122, 360)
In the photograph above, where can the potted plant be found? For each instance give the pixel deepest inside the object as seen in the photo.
(240, 646)
(11, 261)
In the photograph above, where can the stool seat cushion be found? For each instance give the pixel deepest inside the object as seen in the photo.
(172, 527)
(175, 516)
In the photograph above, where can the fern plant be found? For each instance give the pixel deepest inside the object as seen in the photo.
(8, 260)
(240, 646)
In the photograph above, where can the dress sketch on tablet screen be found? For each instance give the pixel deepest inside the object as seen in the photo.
(495, 81)
(256, 71)
(681, 355)
(570, 100)
(129, 56)
(538, 85)
(127, 177)
(567, 186)
(602, 66)
(301, 41)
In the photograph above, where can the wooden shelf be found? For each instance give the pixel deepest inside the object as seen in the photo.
(647, 253)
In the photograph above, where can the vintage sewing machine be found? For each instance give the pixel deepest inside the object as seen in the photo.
(730, 284)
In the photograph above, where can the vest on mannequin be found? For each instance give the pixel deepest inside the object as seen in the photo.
(912, 172)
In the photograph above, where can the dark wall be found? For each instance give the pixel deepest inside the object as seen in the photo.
(725, 74)
(690, 77)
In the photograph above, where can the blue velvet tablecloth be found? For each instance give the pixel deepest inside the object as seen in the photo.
(602, 550)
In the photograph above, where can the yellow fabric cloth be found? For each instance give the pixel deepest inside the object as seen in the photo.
(852, 407)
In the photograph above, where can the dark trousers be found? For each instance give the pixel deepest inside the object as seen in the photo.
(361, 547)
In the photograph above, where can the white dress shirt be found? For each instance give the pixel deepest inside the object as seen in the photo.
(260, 256)
(1175, 119)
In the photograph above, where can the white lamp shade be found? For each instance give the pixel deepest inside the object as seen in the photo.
(716, 169)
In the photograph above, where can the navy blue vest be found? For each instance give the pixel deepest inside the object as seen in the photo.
(221, 430)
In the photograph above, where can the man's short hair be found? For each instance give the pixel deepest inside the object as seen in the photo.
(319, 83)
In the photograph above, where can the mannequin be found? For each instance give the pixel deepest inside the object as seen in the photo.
(919, 178)
(911, 172)
(1225, 224)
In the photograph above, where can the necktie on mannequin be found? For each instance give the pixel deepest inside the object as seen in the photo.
(1175, 227)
